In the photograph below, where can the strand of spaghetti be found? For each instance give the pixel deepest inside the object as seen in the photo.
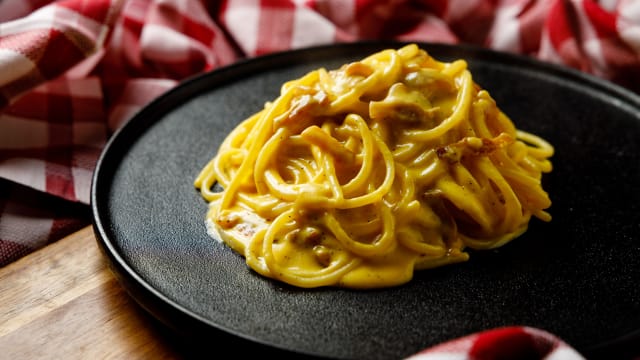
(529, 160)
(307, 80)
(404, 207)
(412, 238)
(358, 228)
(511, 204)
(325, 142)
(463, 102)
(429, 174)
(542, 215)
(495, 206)
(266, 157)
(328, 173)
(524, 179)
(313, 192)
(358, 181)
(212, 171)
(237, 136)
(205, 181)
(326, 160)
(379, 192)
(495, 242)
(406, 152)
(542, 149)
(408, 52)
(453, 68)
(464, 200)
(527, 188)
(348, 101)
(377, 79)
(425, 217)
(231, 153)
(226, 164)
(267, 206)
(304, 172)
(269, 180)
(482, 110)
(391, 68)
(260, 133)
(254, 256)
(383, 244)
(326, 276)
(308, 192)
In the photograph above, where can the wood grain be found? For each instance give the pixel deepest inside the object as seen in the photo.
(63, 302)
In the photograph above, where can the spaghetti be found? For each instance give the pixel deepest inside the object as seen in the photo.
(357, 177)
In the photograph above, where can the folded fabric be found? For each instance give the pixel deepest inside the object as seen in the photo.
(513, 342)
(73, 71)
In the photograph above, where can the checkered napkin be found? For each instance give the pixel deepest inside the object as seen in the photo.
(513, 342)
(73, 71)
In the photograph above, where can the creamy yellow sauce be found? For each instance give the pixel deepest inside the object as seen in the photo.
(359, 176)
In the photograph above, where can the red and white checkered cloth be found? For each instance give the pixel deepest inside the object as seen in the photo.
(512, 342)
(73, 71)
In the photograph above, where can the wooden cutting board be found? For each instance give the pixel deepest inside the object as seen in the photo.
(62, 301)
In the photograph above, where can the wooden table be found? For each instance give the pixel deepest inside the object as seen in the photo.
(63, 302)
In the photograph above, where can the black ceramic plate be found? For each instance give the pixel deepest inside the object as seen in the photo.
(576, 277)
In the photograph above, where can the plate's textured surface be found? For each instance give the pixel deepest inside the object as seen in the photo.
(575, 277)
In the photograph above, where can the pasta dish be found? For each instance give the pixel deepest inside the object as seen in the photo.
(359, 176)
